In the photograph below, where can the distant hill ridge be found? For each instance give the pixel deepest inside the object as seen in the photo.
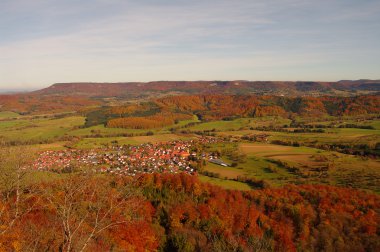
(137, 89)
(62, 97)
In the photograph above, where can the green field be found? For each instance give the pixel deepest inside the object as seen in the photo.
(104, 131)
(261, 163)
(89, 143)
(38, 129)
(331, 136)
(228, 184)
(239, 124)
(8, 114)
(252, 166)
(50, 128)
(375, 124)
(244, 126)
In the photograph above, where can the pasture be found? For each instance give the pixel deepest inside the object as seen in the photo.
(101, 130)
(300, 155)
(8, 114)
(240, 123)
(90, 143)
(330, 136)
(250, 166)
(227, 184)
(38, 129)
(298, 165)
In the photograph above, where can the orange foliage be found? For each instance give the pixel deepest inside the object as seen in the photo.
(178, 212)
(30, 103)
(310, 217)
(148, 122)
(216, 107)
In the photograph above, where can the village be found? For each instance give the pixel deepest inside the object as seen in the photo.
(129, 160)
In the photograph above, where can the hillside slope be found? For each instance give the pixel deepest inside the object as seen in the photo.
(141, 89)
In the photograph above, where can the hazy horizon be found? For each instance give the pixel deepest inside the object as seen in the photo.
(47, 42)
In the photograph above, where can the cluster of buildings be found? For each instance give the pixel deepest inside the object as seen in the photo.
(65, 159)
(170, 157)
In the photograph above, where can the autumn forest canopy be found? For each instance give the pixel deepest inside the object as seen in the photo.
(180, 213)
(166, 111)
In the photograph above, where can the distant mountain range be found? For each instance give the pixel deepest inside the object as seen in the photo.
(162, 88)
(62, 97)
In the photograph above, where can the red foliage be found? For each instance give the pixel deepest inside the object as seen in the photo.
(307, 216)
(31, 103)
(148, 122)
(195, 215)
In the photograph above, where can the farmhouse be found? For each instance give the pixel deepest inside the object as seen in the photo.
(261, 137)
(218, 162)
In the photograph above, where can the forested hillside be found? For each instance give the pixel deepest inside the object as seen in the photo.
(247, 105)
(228, 107)
(151, 89)
(35, 104)
(76, 96)
(179, 213)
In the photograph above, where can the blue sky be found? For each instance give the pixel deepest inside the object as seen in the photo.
(48, 41)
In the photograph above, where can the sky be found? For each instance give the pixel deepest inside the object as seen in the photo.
(48, 41)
